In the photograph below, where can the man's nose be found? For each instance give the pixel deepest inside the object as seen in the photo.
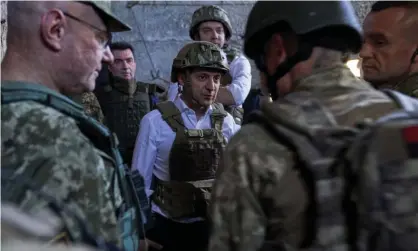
(366, 51)
(215, 35)
(107, 56)
(210, 85)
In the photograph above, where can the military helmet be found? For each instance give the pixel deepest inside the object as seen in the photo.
(210, 13)
(199, 54)
(304, 18)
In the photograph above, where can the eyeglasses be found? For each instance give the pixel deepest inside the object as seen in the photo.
(105, 37)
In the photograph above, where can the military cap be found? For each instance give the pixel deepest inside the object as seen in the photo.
(199, 54)
(113, 23)
(210, 13)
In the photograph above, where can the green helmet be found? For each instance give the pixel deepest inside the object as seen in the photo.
(303, 18)
(113, 23)
(210, 13)
(199, 54)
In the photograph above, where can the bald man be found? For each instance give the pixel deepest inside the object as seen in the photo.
(54, 50)
(390, 49)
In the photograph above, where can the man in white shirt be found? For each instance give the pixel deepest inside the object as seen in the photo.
(211, 23)
(179, 147)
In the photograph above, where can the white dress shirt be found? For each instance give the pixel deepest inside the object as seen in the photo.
(155, 139)
(240, 70)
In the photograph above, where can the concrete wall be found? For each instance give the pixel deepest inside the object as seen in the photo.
(160, 29)
(3, 27)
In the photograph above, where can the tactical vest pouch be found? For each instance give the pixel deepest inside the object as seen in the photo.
(193, 162)
(237, 113)
(182, 199)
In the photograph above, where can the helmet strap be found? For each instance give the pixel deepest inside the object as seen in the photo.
(303, 53)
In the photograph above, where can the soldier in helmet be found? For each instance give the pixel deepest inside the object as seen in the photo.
(211, 24)
(261, 199)
(54, 50)
(179, 147)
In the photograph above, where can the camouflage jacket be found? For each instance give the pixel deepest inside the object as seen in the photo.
(409, 86)
(36, 135)
(91, 105)
(26, 230)
(258, 196)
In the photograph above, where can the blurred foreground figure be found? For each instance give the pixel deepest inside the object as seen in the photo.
(312, 171)
(54, 50)
(23, 231)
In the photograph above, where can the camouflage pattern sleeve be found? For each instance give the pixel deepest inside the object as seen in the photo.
(91, 105)
(257, 199)
(409, 86)
(71, 168)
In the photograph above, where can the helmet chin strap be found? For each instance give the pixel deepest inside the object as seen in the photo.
(303, 53)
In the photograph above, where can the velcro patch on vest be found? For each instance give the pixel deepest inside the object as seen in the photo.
(410, 135)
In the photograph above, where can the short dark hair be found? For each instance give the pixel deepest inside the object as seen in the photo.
(121, 46)
(383, 5)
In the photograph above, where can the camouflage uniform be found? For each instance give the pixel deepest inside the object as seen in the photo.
(27, 231)
(259, 192)
(38, 136)
(259, 200)
(91, 105)
(408, 86)
(48, 139)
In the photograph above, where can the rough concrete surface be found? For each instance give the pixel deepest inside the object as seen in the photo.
(3, 17)
(160, 29)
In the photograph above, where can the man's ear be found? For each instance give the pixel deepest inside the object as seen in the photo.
(180, 79)
(53, 28)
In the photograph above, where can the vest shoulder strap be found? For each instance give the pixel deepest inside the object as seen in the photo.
(20, 91)
(218, 115)
(171, 114)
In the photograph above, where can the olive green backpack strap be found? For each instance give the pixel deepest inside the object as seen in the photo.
(172, 115)
(218, 115)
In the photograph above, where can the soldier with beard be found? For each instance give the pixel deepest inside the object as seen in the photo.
(211, 24)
